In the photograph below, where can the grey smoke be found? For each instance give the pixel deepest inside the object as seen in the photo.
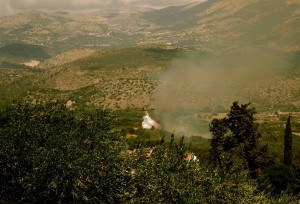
(204, 81)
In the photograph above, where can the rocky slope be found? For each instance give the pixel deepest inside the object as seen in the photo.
(211, 25)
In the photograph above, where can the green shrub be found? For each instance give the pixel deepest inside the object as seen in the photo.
(166, 177)
(48, 154)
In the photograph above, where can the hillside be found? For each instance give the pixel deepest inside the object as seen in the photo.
(182, 60)
(123, 78)
(197, 103)
(211, 25)
(25, 51)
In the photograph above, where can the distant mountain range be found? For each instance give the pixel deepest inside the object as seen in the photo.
(116, 59)
(210, 25)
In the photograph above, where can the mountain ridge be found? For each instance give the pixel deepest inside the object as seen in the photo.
(202, 25)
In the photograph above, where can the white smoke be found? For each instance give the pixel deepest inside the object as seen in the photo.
(148, 122)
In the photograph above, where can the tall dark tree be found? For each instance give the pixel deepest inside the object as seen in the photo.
(288, 142)
(218, 129)
(238, 135)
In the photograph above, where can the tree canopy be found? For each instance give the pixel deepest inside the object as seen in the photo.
(237, 136)
(50, 154)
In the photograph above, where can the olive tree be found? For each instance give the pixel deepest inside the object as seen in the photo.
(51, 154)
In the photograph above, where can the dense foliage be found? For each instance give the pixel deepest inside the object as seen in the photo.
(237, 135)
(288, 143)
(49, 154)
(285, 176)
(168, 176)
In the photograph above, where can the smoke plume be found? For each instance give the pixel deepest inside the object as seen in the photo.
(204, 82)
(148, 122)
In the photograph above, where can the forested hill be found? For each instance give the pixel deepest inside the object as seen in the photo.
(212, 25)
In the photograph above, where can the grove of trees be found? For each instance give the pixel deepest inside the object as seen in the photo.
(50, 154)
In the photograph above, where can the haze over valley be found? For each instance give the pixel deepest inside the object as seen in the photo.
(150, 101)
(184, 61)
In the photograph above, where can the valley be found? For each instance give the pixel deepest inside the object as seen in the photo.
(200, 57)
(196, 103)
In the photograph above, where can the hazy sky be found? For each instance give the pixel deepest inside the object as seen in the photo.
(11, 6)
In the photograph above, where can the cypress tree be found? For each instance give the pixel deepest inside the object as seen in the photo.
(288, 155)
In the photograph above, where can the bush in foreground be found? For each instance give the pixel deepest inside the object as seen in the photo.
(49, 154)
